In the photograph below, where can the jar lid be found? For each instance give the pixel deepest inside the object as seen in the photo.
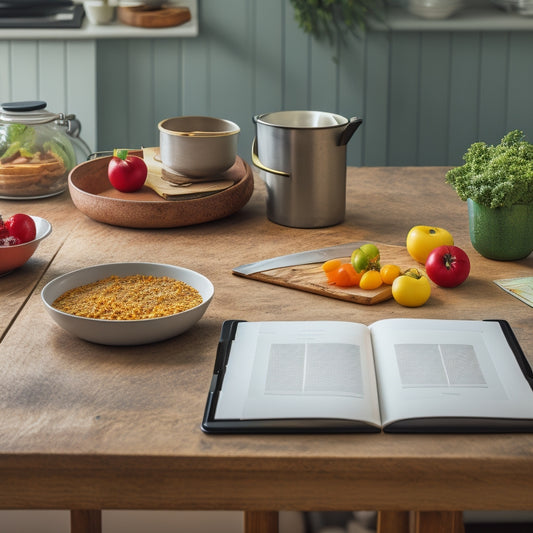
(28, 112)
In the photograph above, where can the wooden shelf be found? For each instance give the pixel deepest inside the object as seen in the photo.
(475, 18)
(116, 30)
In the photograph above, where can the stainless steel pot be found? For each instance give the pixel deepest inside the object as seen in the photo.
(302, 155)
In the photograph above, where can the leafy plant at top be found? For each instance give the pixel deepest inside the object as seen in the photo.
(335, 17)
(496, 176)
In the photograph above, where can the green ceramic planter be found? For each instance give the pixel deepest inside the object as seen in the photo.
(502, 233)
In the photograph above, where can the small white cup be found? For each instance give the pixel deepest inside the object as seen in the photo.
(98, 13)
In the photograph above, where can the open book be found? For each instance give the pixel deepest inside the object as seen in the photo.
(396, 375)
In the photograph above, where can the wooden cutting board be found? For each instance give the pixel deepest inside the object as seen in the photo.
(148, 17)
(311, 278)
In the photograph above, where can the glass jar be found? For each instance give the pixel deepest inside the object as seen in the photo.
(38, 149)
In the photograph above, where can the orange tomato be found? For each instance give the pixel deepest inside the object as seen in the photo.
(389, 273)
(345, 276)
(371, 280)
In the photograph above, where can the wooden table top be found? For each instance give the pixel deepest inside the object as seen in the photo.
(84, 426)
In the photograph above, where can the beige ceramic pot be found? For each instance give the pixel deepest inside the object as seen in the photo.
(198, 146)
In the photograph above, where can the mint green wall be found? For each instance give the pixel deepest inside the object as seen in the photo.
(424, 96)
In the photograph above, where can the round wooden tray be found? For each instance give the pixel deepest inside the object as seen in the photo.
(94, 196)
(146, 16)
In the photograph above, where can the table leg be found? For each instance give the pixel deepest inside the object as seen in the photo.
(393, 522)
(438, 522)
(261, 522)
(85, 521)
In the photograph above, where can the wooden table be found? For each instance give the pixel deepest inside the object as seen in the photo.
(87, 427)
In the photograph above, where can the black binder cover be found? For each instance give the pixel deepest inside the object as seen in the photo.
(320, 425)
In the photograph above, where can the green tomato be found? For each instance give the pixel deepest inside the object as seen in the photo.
(411, 289)
(365, 258)
(371, 250)
(360, 260)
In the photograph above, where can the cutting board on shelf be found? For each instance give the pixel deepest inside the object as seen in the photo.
(311, 278)
(145, 16)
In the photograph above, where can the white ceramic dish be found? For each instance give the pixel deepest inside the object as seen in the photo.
(126, 332)
(12, 257)
(434, 9)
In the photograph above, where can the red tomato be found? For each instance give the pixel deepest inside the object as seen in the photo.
(21, 226)
(447, 266)
(127, 173)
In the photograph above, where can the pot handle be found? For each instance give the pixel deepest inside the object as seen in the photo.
(349, 130)
(258, 164)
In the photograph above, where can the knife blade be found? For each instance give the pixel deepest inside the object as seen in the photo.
(299, 258)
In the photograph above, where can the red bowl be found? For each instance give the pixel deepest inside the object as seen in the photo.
(12, 257)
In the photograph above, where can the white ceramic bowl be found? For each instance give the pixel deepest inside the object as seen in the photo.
(434, 9)
(12, 257)
(126, 332)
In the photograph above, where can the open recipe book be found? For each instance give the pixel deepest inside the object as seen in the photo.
(396, 375)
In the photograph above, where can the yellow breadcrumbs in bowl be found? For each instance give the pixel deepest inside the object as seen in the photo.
(134, 297)
(128, 303)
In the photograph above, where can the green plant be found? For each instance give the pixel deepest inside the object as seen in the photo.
(496, 176)
(330, 18)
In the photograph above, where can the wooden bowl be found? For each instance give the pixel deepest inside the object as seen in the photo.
(94, 196)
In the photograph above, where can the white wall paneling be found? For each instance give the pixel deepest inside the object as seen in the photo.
(425, 89)
(424, 95)
(62, 73)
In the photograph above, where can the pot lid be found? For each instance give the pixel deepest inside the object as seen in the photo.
(28, 112)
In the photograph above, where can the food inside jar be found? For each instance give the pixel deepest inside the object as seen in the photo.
(32, 163)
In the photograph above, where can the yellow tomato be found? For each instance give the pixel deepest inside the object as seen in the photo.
(411, 289)
(330, 268)
(389, 273)
(370, 280)
(332, 264)
(421, 240)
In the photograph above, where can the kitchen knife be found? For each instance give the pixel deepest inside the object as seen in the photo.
(300, 258)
